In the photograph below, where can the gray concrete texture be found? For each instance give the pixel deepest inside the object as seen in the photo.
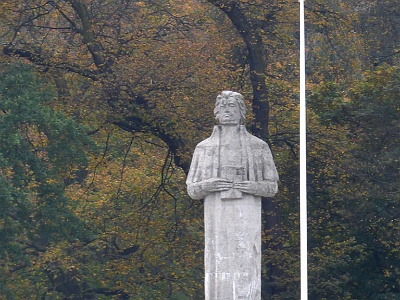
(231, 171)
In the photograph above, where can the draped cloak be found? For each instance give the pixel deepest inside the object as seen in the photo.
(257, 162)
(232, 255)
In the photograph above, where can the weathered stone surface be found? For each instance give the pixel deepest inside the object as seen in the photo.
(231, 171)
(233, 248)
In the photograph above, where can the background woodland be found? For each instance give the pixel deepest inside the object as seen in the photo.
(102, 103)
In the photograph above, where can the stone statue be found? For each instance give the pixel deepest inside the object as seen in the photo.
(231, 171)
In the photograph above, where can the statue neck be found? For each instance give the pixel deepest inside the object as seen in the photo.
(230, 129)
(230, 134)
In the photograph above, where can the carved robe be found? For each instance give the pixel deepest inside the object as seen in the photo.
(232, 219)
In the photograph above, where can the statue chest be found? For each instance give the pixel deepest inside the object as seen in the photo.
(231, 161)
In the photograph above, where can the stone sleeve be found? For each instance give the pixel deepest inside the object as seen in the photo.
(269, 170)
(195, 191)
(194, 188)
(266, 188)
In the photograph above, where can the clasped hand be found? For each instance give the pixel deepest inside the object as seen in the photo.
(219, 185)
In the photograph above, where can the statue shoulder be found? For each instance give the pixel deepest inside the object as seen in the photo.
(256, 142)
(206, 143)
(211, 141)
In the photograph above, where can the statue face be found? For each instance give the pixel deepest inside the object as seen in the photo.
(229, 113)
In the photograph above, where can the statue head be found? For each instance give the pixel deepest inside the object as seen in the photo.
(230, 108)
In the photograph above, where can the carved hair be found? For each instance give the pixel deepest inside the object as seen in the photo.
(226, 95)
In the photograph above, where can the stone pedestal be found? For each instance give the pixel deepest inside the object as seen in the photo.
(232, 247)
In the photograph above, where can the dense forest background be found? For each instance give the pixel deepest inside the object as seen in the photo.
(102, 103)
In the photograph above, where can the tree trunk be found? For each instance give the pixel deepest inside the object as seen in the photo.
(251, 33)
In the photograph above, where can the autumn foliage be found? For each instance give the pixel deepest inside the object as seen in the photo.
(102, 103)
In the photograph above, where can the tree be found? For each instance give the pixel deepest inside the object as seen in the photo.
(134, 71)
(34, 164)
(143, 75)
(257, 24)
(131, 63)
(354, 202)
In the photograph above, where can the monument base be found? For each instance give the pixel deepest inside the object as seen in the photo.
(232, 247)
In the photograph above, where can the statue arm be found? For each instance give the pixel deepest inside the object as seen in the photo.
(195, 191)
(194, 188)
(199, 190)
(267, 186)
(264, 188)
(198, 187)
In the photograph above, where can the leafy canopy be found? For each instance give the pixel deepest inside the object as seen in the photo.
(39, 149)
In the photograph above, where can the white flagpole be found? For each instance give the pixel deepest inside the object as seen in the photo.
(303, 162)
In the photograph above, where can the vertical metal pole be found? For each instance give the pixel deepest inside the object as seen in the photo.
(303, 162)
